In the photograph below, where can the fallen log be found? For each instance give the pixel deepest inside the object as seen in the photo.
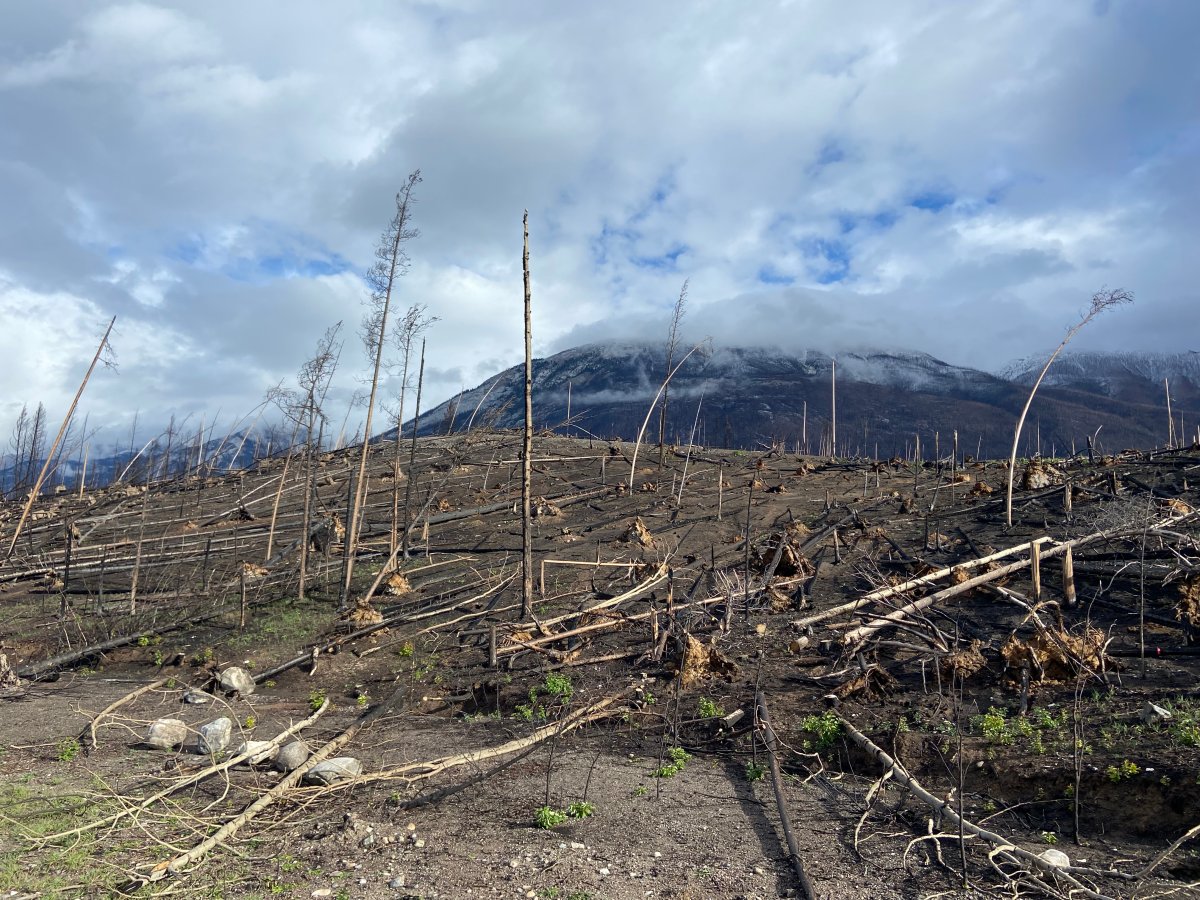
(891, 590)
(785, 821)
(944, 808)
(858, 635)
(46, 667)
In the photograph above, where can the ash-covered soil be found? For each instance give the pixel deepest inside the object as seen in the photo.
(1051, 722)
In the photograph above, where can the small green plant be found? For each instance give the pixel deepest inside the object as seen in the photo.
(362, 700)
(559, 686)
(250, 722)
(648, 698)
(755, 772)
(989, 806)
(1050, 837)
(316, 699)
(269, 683)
(902, 725)
(172, 683)
(994, 727)
(678, 757)
(709, 709)
(826, 728)
(1126, 769)
(641, 790)
(548, 817)
(581, 809)
(406, 650)
(288, 863)
(159, 658)
(204, 656)
(67, 750)
(143, 641)
(523, 711)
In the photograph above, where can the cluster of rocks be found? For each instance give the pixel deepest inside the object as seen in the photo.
(217, 737)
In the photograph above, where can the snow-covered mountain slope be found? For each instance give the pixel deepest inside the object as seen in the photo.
(752, 396)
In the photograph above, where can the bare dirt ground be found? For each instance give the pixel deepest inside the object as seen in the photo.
(1028, 717)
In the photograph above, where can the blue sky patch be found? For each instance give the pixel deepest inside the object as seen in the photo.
(768, 274)
(931, 200)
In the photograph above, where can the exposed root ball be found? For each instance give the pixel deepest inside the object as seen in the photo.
(699, 661)
(363, 614)
(1188, 607)
(397, 585)
(964, 663)
(1055, 655)
(638, 533)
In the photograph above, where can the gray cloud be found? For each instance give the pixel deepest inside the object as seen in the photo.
(956, 179)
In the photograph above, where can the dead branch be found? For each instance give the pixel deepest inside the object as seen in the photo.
(946, 809)
(179, 864)
(194, 778)
(88, 736)
(777, 783)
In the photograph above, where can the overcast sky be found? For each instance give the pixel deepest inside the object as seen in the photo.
(951, 177)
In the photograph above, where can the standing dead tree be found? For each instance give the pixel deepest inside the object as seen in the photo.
(37, 485)
(306, 408)
(414, 323)
(527, 444)
(672, 346)
(391, 263)
(1101, 300)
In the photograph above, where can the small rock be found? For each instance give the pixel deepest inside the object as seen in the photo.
(1055, 858)
(291, 755)
(514, 863)
(260, 752)
(163, 734)
(367, 842)
(605, 871)
(322, 892)
(418, 844)
(214, 737)
(397, 882)
(759, 871)
(333, 770)
(1152, 714)
(235, 678)
(197, 697)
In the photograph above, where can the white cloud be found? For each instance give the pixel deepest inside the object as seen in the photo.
(215, 174)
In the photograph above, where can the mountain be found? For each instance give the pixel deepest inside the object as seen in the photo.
(753, 397)
(158, 459)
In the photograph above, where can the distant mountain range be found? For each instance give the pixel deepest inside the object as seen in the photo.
(156, 460)
(742, 397)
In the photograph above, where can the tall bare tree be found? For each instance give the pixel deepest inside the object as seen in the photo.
(527, 444)
(1101, 300)
(672, 346)
(305, 407)
(391, 262)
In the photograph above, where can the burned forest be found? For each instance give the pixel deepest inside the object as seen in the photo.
(743, 674)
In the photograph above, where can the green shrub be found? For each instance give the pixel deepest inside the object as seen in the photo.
(548, 817)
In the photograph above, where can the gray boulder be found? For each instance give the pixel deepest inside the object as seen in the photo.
(334, 770)
(291, 755)
(164, 734)
(215, 736)
(235, 678)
